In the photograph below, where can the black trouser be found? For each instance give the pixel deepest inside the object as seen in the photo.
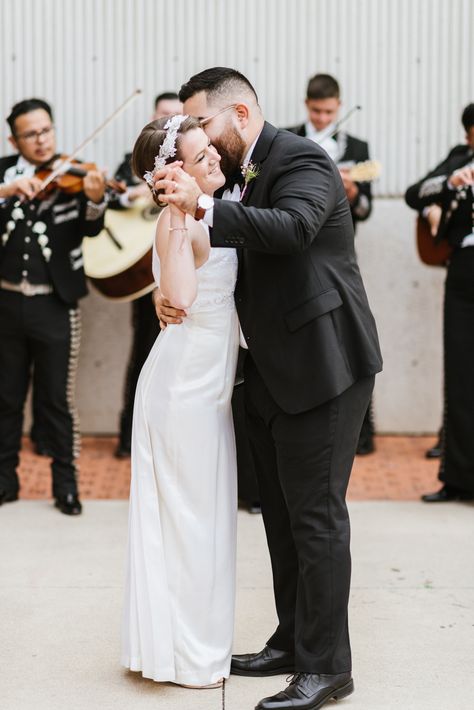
(43, 333)
(145, 330)
(303, 465)
(246, 478)
(457, 464)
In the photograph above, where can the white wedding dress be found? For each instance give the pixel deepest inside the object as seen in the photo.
(180, 579)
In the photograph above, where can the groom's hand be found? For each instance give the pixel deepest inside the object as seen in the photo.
(181, 189)
(165, 311)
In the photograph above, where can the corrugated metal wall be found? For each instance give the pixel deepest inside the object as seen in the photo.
(407, 62)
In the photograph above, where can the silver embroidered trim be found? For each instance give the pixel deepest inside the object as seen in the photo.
(433, 186)
(94, 210)
(75, 342)
(167, 148)
(66, 205)
(67, 216)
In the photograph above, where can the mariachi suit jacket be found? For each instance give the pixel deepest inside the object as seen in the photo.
(457, 205)
(65, 220)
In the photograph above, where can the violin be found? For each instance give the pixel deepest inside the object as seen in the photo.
(70, 179)
(67, 174)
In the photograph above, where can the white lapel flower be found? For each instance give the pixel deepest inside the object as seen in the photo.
(47, 253)
(39, 228)
(43, 240)
(10, 226)
(17, 213)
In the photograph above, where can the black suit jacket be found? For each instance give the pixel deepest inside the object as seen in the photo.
(68, 219)
(299, 293)
(353, 150)
(456, 216)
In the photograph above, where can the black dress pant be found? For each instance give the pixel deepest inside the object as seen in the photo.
(145, 330)
(40, 333)
(246, 478)
(457, 463)
(303, 464)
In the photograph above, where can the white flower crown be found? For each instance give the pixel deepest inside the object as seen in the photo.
(167, 148)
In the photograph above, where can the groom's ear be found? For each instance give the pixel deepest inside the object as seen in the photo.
(243, 113)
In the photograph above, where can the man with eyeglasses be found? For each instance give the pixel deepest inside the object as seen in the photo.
(41, 280)
(312, 358)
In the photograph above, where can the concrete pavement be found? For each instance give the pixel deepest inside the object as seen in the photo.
(412, 611)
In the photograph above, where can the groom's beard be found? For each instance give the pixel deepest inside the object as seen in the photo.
(231, 147)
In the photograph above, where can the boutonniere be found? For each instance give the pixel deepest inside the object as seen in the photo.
(249, 172)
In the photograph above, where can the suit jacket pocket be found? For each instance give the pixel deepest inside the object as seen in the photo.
(313, 308)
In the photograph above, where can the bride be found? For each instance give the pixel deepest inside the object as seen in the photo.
(180, 581)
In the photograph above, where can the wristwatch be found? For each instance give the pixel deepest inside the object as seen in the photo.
(204, 203)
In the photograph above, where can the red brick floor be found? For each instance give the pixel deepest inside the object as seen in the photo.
(396, 471)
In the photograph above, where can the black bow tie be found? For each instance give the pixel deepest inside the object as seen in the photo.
(235, 179)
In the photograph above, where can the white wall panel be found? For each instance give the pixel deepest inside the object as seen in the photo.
(407, 62)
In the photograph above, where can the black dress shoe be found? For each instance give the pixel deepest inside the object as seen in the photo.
(447, 494)
(365, 446)
(41, 449)
(69, 504)
(8, 496)
(434, 452)
(269, 661)
(123, 452)
(309, 691)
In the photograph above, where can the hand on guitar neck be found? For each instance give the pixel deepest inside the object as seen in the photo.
(360, 172)
(433, 216)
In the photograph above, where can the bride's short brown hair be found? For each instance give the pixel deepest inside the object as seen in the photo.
(147, 146)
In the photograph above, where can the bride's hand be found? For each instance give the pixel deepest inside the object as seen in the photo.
(180, 189)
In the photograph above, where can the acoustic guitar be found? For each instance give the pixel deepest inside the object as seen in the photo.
(118, 260)
(431, 252)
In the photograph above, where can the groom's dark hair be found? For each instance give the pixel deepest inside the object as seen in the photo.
(217, 82)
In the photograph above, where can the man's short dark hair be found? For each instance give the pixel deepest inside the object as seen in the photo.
(166, 96)
(323, 86)
(216, 82)
(467, 117)
(26, 106)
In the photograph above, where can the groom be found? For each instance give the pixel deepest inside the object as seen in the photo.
(313, 355)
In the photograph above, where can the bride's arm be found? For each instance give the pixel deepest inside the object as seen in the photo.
(178, 281)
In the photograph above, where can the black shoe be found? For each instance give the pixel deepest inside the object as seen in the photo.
(123, 452)
(69, 504)
(8, 496)
(434, 452)
(365, 446)
(269, 661)
(255, 507)
(309, 691)
(41, 449)
(447, 494)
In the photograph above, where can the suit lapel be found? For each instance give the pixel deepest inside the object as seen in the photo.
(259, 155)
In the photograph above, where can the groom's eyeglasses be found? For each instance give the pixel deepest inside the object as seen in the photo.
(206, 119)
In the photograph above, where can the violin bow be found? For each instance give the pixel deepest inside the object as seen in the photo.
(57, 170)
(338, 124)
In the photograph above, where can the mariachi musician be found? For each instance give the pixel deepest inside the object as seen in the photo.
(41, 280)
(323, 104)
(450, 187)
